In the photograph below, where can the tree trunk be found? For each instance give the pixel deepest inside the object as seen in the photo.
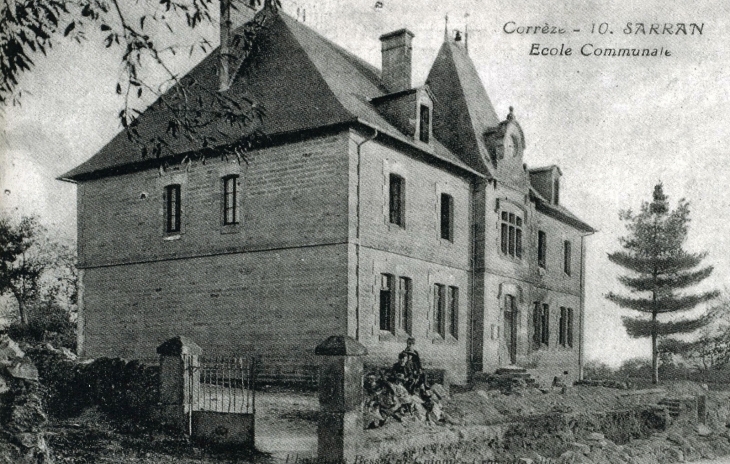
(654, 352)
(21, 307)
(23, 313)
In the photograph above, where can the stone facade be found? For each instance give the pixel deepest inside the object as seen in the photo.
(395, 221)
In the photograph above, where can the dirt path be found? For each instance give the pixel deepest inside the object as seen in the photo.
(286, 424)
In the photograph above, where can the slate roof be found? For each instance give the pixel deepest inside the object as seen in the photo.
(461, 103)
(303, 80)
(306, 82)
(559, 212)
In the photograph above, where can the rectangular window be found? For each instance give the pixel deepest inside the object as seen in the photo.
(567, 256)
(563, 326)
(570, 327)
(505, 233)
(172, 208)
(447, 217)
(230, 193)
(386, 302)
(537, 325)
(511, 234)
(453, 317)
(405, 296)
(425, 124)
(556, 191)
(545, 325)
(397, 200)
(541, 249)
(439, 309)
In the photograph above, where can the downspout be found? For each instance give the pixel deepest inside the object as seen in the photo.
(80, 317)
(357, 234)
(472, 259)
(581, 342)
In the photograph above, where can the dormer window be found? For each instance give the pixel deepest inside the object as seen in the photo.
(424, 123)
(556, 190)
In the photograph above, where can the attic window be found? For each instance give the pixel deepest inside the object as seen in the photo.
(556, 190)
(172, 208)
(230, 194)
(425, 124)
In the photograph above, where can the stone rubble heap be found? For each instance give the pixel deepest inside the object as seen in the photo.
(22, 436)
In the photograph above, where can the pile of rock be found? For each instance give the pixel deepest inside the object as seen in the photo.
(509, 379)
(607, 383)
(22, 436)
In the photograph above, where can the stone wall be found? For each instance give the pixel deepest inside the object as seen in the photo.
(127, 391)
(275, 283)
(414, 251)
(522, 278)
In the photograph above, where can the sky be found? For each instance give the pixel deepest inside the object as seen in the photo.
(616, 126)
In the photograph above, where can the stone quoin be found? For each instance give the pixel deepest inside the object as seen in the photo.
(373, 209)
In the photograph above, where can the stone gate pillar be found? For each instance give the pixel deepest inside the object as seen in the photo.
(179, 381)
(340, 427)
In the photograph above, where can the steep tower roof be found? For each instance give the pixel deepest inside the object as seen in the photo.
(463, 111)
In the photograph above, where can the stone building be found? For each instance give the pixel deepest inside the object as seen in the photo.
(373, 208)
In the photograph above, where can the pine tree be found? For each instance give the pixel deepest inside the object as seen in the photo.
(652, 250)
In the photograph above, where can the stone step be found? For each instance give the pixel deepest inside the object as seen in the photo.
(511, 370)
(515, 375)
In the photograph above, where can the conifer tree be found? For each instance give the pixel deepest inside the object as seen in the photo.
(660, 268)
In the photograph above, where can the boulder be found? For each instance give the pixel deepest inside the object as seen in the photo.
(580, 448)
(9, 351)
(703, 430)
(68, 353)
(23, 369)
(677, 439)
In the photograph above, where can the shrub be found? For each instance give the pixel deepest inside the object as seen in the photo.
(48, 322)
(598, 370)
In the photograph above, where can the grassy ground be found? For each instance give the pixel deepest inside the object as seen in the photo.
(91, 439)
(286, 423)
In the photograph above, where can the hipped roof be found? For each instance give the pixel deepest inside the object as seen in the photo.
(303, 81)
(306, 82)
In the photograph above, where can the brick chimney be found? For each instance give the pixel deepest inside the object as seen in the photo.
(234, 13)
(396, 56)
(225, 30)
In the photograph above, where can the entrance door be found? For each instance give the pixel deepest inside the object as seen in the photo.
(510, 327)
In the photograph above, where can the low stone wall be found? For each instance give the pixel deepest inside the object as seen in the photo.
(548, 435)
(127, 391)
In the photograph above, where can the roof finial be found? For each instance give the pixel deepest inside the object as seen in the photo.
(511, 114)
(466, 32)
(446, 28)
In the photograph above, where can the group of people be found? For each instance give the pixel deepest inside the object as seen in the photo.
(401, 391)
